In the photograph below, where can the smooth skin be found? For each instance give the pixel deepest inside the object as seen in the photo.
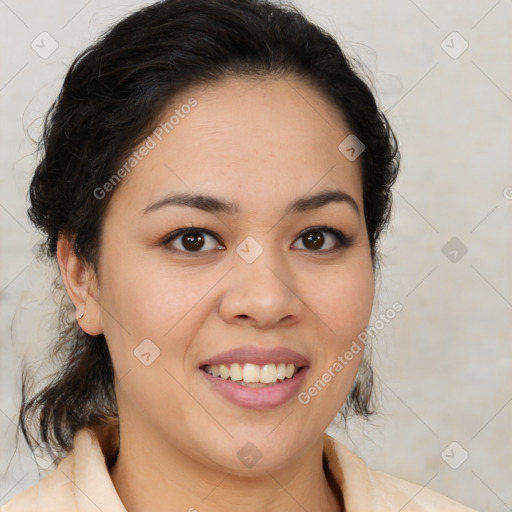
(262, 143)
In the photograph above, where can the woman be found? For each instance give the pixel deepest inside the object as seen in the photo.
(214, 182)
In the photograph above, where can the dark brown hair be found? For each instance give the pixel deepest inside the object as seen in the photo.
(111, 99)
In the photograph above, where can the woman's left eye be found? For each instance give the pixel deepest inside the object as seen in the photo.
(198, 240)
(315, 239)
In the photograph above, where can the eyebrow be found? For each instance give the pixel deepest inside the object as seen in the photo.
(213, 204)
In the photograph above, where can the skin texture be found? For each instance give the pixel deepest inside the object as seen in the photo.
(263, 144)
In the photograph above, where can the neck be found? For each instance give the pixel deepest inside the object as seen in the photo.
(169, 480)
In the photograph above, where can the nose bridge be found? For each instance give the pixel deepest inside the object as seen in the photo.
(261, 270)
(261, 286)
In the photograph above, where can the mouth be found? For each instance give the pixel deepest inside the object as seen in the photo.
(253, 375)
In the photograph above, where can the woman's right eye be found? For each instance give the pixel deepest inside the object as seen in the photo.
(191, 240)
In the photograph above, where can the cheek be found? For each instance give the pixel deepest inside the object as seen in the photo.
(160, 303)
(343, 303)
(141, 301)
(342, 299)
(148, 299)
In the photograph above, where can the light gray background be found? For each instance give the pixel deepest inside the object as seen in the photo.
(444, 363)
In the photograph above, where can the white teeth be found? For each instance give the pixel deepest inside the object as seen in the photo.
(281, 371)
(224, 371)
(290, 370)
(268, 373)
(235, 371)
(250, 373)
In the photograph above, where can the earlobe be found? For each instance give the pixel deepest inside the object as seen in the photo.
(81, 285)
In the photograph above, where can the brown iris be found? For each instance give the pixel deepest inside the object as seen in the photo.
(315, 238)
(193, 241)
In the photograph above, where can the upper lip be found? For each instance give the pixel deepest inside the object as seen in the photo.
(257, 355)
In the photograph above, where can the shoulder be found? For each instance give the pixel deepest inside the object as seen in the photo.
(365, 489)
(413, 497)
(53, 492)
(80, 481)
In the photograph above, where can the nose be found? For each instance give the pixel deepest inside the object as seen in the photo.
(261, 293)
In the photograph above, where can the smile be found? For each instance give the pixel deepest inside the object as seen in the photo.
(253, 375)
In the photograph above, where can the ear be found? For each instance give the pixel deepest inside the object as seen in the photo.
(81, 285)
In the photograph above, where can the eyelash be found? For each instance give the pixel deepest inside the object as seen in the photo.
(343, 240)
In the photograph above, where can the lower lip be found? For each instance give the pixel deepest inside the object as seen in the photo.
(257, 398)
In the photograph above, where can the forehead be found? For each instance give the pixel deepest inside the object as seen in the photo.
(261, 141)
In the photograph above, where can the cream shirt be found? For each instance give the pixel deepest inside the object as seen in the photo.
(81, 483)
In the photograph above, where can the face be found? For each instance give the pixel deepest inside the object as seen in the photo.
(251, 281)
